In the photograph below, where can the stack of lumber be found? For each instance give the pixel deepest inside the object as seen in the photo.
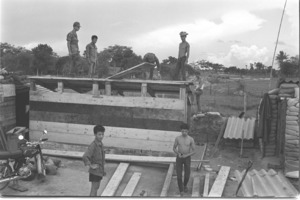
(292, 136)
(287, 90)
(270, 147)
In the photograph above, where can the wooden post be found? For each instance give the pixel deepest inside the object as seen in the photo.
(144, 89)
(32, 86)
(299, 120)
(168, 180)
(245, 102)
(60, 87)
(108, 88)
(183, 96)
(96, 92)
(206, 185)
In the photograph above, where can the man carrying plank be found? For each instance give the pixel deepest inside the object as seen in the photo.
(151, 58)
(184, 147)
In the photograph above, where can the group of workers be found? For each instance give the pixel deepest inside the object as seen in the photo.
(91, 54)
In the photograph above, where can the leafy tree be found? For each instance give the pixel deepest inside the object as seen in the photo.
(43, 58)
(170, 60)
(281, 56)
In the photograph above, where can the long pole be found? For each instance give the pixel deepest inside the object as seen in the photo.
(276, 45)
(299, 112)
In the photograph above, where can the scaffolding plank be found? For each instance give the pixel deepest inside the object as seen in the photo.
(196, 187)
(167, 182)
(130, 187)
(115, 180)
(206, 185)
(219, 184)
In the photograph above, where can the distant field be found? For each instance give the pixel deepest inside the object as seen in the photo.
(224, 97)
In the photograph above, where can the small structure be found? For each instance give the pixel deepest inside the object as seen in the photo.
(143, 122)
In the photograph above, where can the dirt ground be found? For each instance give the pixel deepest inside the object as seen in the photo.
(72, 177)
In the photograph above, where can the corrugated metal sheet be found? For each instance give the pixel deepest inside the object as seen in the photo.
(265, 184)
(235, 127)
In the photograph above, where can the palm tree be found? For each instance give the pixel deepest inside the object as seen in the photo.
(281, 57)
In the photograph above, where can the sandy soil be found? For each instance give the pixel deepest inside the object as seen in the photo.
(72, 178)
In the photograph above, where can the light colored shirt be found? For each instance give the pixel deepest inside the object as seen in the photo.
(91, 52)
(183, 49)
(73, 39)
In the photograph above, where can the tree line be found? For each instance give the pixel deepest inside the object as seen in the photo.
(42, 60)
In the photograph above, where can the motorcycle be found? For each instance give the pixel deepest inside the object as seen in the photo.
(17, 165)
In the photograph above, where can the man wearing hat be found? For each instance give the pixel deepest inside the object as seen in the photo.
(72, 43)
(183, 55)
(151, 58)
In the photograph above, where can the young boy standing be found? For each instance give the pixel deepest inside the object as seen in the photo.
(183, 56)
(94, 157)
(184, 147)
(91, 55)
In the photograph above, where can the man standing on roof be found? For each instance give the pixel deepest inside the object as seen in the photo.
(183, 56)
(91, 55)
(72, 43)
(151, 58)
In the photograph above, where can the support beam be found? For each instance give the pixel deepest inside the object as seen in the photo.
(196, 187)
(150, 91)
(183, 96)
(219, 184)
(108, 88)
(144, 90)
(96, 92)
(206, 185)
(202, 156)
(167, 182)
(32, 85)
(130, 187)
(60, 87)
(115, 180)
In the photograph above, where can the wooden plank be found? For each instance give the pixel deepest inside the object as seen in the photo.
(144, 65)
(144, 89)
(167, 182)
(115, 180)
(108, 88)
(196, 187)
(60, 87)
(221, 133)
(202, 157)
(108, 141)
(95, 91)
(219, 184)
(206, 185)
(32, 86)
(115, 121)
(130, 187)
(115, 157)
(116, 101)
(111, 132)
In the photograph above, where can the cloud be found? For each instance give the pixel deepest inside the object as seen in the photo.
(241, 55)
(201, 31)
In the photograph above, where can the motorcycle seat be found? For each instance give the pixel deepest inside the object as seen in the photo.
(10, 154)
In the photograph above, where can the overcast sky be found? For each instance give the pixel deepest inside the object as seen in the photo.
(229, 32)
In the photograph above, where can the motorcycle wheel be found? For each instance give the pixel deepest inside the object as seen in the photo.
(6, 172)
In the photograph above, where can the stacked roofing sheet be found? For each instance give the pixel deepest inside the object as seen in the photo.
(238, 128)
(265, 184)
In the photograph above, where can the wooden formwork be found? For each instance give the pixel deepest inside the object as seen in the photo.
(144, 122)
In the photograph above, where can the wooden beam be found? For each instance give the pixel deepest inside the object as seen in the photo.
(183, 96)
(95, 91)
(130, 187)
(196, 187)
(110, 132)
(115, 180)
(60, 87)
(131, 70)
(32, 85)
(206, 185)
(202, 157)
(221, 133)
(144, 89)
(115, 157)
(167, 182)
(161, 103)
(219, 184)
(108, 88)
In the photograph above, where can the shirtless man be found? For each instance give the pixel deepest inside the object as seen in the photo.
(184, 147)
(183, 56)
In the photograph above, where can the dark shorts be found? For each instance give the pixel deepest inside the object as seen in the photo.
(94, 178)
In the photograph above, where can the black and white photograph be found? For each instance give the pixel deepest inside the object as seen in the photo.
(149, 99)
